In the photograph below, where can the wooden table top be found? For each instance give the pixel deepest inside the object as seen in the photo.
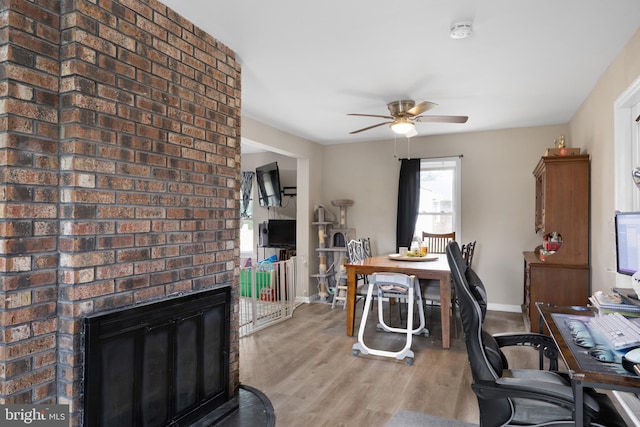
(385, 263)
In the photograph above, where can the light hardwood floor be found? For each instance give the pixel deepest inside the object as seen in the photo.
(306, 368)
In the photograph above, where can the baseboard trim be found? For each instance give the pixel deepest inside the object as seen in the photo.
(504, 307)
(491, 306)
(305, 300)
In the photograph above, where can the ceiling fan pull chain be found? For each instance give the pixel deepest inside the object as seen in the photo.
(395, 146)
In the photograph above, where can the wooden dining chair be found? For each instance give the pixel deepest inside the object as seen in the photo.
(437, 243)
(432, 289)
(467, 252)
(356, 251)
(366, 247)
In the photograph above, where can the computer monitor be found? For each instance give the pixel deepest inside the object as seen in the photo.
(627, 230)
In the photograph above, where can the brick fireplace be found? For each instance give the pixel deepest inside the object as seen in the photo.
(120, 135)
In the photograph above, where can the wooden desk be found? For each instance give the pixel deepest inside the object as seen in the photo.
(583, 370)
(438, 269)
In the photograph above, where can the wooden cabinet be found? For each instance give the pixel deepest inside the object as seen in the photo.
(562, 206)
(558, 284)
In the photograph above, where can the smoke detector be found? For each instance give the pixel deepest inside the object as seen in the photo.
(461, 30)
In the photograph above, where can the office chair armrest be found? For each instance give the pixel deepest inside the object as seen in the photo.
(543, 343)
(532, 339)
(559, 394)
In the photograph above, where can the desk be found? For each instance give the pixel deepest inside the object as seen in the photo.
(438, 269)
(583, 370)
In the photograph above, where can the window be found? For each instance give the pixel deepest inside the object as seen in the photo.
(439, 210)
(246, 212)
(246, 199)
(246, 235)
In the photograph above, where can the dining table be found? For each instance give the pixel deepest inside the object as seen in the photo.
(433, 266)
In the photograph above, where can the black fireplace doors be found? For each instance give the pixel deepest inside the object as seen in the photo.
(159, 364)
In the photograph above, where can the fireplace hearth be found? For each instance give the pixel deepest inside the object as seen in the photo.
(158, 364)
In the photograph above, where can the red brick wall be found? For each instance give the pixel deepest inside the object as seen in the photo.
(119, 143)
(29, 200)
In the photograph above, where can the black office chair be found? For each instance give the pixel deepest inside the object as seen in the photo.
(510, 397)
(436, 244)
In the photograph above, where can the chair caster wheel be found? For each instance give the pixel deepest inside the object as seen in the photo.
(409, 361)
(426, 334)
(379, 328)
(355, 353)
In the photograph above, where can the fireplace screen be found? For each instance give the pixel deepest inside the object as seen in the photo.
(158, 364)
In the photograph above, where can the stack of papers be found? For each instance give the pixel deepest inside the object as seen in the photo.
(615, 301)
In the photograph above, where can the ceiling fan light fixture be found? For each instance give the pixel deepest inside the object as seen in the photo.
(402, 126)
(461, 30)
(403, 115)
(411, 133)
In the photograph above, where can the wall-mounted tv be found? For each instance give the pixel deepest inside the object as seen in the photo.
(269, 189)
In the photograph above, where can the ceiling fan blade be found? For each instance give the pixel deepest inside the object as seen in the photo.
(370, 115)
(421, 108)
(370, 127)
(442, 119)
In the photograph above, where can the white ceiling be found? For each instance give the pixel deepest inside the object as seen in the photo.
(305, 65)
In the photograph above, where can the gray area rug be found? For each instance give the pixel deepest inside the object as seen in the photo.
(416, 419)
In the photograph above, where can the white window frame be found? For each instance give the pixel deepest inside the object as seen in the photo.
(627, 156)
(440, 163)
(627, 148)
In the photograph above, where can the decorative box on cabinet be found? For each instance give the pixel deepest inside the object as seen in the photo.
(558, 284)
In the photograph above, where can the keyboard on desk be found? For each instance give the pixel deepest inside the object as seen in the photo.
(619, 331)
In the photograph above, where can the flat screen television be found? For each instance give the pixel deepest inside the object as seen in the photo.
(627, 230)
(282, 232)
(269, 190)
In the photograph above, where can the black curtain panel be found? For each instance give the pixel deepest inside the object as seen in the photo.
(245, 189)
(408, 201)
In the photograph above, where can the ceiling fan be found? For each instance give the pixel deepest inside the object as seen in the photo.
(404, 114)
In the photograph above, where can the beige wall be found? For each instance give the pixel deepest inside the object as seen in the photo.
(287, 167)
(308, 158)
(592, 128)
(498, 197)
(497, 191)
(288, 170)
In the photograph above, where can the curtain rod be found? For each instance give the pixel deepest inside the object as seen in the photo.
(432, 158)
